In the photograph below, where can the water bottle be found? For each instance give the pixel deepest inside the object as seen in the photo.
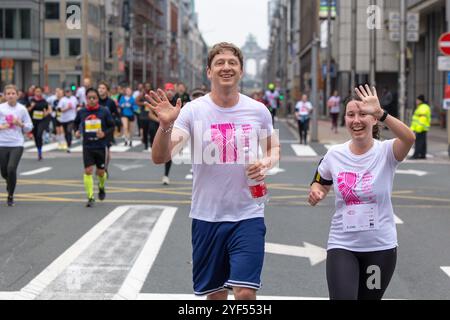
(258, 189)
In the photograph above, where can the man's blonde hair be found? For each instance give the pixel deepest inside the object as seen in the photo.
(10, 86)
(224, 46)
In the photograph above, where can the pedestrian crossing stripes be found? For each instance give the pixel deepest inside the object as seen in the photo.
(304, 150)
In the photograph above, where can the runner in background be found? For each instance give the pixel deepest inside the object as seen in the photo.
(40, 112)
(68, 108)
(14, 121)
(303, 110)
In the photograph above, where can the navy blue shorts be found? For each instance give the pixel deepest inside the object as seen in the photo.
(227, 255)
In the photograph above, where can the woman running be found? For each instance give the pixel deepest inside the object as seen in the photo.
(362, 245)
(40, 112)
(126, 104)
(14, 120)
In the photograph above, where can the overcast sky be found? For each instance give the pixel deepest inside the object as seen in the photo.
(233, 20)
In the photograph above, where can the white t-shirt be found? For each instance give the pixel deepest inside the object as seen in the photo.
(362, 182)
(272, 98)
(334, 103)
(220, 190)
(70, 114)
(13, 136)
(81, 95)
(303, 109)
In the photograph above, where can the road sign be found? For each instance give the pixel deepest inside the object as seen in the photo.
(444, 43)
(444, 63)
(412, 26)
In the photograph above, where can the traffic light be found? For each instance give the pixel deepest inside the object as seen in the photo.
(281, 97)
(73, 87)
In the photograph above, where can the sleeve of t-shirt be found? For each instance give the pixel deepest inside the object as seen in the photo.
(184, 120)
(389, 151)
(324, 168)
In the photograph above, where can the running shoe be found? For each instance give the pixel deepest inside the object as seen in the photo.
(90, 203)
(101, 194)
(10, 201)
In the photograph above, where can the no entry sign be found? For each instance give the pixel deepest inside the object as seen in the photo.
(444, 43)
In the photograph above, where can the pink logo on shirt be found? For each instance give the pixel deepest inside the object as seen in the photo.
(224, 137)
(346, 183)
(10, 120)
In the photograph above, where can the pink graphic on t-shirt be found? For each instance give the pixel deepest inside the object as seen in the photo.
(225, 138)
(224, 135)
(10, 120)
(346, 183)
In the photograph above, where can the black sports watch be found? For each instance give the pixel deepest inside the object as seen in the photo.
(385, 115)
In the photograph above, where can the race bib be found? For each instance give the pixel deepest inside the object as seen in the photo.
(92, 125)
(361, 217)
(58, 115)
(38, 115)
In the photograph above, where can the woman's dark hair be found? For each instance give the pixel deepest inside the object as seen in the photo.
(93, 90)
(376, 128)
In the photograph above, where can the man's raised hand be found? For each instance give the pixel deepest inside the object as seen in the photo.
(159, 103)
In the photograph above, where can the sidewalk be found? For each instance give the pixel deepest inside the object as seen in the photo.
(437, 137)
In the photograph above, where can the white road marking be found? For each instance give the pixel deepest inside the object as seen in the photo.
(77, 148)
(274, 171)
(303, 150)
(46, 148)
(398, 220)
(189, 177)
(446, 270)
(28, 144)
(136, 277)
(314, 253)
(412, 172)
(98, 263)
(122, 148)
(125, 167)
(37, 171)
(7, 295)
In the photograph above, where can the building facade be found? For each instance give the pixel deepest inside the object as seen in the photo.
(19, 41)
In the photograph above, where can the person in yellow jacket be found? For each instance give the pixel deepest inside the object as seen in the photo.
(421, 122)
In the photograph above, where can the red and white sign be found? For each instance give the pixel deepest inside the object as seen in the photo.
(444, 43)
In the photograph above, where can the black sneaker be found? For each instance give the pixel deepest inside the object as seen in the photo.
(90, 203)
(10, 201)
(101, 193)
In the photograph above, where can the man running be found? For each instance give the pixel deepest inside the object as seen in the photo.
(96, 124)
(68, 108)
(228, 226)
(14, 120)
(110, 104)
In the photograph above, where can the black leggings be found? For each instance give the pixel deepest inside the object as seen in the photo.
(38, 130)
(303, 127)
(145, 126)
(359, 275)
(9, 161)
(68, 128)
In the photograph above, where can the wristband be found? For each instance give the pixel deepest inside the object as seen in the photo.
(385, 115)
(168, 130)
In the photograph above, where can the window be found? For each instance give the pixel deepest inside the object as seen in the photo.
(52, 10)
(110, 45)
(73, 47)
(25, 23)
(94, 15)
(10, 21)
(53, 47)
(1, 23)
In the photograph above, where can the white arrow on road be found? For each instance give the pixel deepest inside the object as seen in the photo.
(275, 171)
(412, 172)
(37, 171)
(446, 270)
(314, 253)
(125, 167)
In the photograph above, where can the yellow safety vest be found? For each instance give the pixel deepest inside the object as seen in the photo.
(421, 120)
